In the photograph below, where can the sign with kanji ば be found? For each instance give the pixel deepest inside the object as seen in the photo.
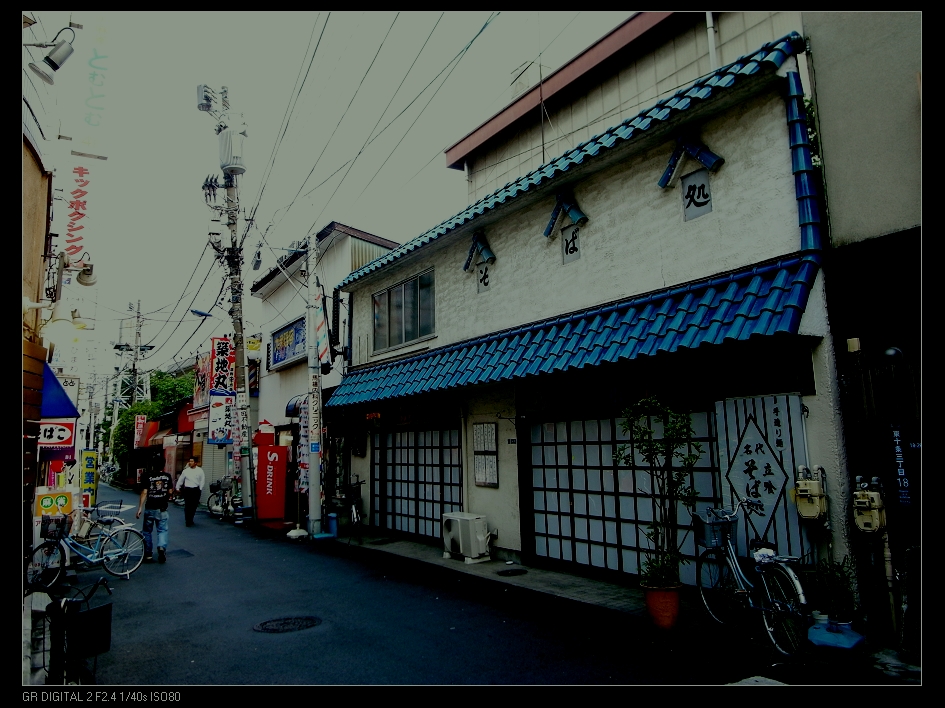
(56, 434)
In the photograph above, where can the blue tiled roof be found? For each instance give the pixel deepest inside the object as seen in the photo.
(772, 54)
(760, 301)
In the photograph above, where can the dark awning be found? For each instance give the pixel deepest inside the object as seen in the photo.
(294, 404)
(56, 402)
(158, 438)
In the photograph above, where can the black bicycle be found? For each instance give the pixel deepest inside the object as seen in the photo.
(78, 632)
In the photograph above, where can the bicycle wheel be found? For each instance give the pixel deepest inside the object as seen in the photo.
(45, 566)
(123, 551)
(215, 504)
(784, 615)
(717, 585)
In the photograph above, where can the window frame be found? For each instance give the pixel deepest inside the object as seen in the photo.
(404, 322)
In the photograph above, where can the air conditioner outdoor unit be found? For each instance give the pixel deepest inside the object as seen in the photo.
(466, 534)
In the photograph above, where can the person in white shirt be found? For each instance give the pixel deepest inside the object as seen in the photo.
(190, 484)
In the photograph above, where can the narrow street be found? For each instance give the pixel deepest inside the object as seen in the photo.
(384, 619)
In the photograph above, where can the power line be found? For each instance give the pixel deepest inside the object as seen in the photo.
(290, 109)
(380, 117)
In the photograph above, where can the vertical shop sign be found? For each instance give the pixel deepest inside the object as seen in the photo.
(202, 381)
(140, 424)
(222, 421)
(303, 451)
(88, 465)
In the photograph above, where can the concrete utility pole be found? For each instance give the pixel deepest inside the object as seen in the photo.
(232, 165)
(316, 338)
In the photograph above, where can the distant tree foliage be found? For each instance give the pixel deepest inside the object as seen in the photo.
(166, 392)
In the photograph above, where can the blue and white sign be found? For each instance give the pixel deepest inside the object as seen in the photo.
(316, 447)
(288, 344)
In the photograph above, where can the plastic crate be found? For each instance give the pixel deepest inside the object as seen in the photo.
(712, 532)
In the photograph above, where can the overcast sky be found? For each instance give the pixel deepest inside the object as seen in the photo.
(147, 217)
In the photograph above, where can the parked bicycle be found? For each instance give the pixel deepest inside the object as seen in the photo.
(120, 550)
(726, 590)
(107, 472)
(78, 632)
(353, 494)
(224, 499)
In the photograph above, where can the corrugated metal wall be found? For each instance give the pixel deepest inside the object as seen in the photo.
(363, 253)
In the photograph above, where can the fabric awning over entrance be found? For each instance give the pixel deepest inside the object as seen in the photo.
(294, 404)
(158, 438)
(764, 300)
(56, 402)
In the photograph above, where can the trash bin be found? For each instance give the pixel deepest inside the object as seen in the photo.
(333, 525)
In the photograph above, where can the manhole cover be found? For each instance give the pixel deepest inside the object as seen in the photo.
(511, 571)
(286, 624)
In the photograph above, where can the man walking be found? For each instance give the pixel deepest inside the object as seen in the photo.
(190, 484)
(155, 489)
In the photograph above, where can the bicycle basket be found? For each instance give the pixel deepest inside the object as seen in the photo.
(105, 509)
(226, 484)
(214, 486)
(55, 527)
(712, 532)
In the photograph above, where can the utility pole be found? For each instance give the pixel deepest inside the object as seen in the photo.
(316, 335)
(231, 163)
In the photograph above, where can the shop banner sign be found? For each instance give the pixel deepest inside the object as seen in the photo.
(202, 381)
(303, 454)
(270, 482)
(88, 462)
(57, 434)
(222, 420)
(141, 422)
(288, 343)
(222, 364)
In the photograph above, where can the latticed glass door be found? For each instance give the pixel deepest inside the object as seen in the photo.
(416, 477)
(589, 510)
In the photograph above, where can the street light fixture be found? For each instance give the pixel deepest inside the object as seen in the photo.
(54, 59)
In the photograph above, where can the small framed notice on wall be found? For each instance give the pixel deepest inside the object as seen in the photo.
(484, 454)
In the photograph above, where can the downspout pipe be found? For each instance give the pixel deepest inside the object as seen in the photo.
(713, 52)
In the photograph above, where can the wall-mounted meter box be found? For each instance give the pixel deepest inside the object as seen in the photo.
(809, 493)
(810, 498)
(868, 511)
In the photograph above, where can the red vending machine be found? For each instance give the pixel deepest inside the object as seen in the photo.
(270, 482)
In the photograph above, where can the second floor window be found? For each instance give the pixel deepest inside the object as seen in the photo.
(404, 312)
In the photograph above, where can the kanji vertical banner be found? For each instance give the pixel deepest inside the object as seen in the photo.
(140, 424)
(223, 415)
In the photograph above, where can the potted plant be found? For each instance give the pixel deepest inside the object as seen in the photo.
(661, 441)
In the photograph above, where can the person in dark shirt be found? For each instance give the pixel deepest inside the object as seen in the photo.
(155, 488)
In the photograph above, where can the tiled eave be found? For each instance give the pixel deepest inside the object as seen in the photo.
(765, 300)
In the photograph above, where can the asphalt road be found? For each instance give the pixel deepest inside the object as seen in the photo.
(382, 620)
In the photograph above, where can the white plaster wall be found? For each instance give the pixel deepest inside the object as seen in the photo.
(500, 505)
(635, 241)
(825, 447)
(657, 75)
(285, 305)
(869, 107)
(814, 320)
